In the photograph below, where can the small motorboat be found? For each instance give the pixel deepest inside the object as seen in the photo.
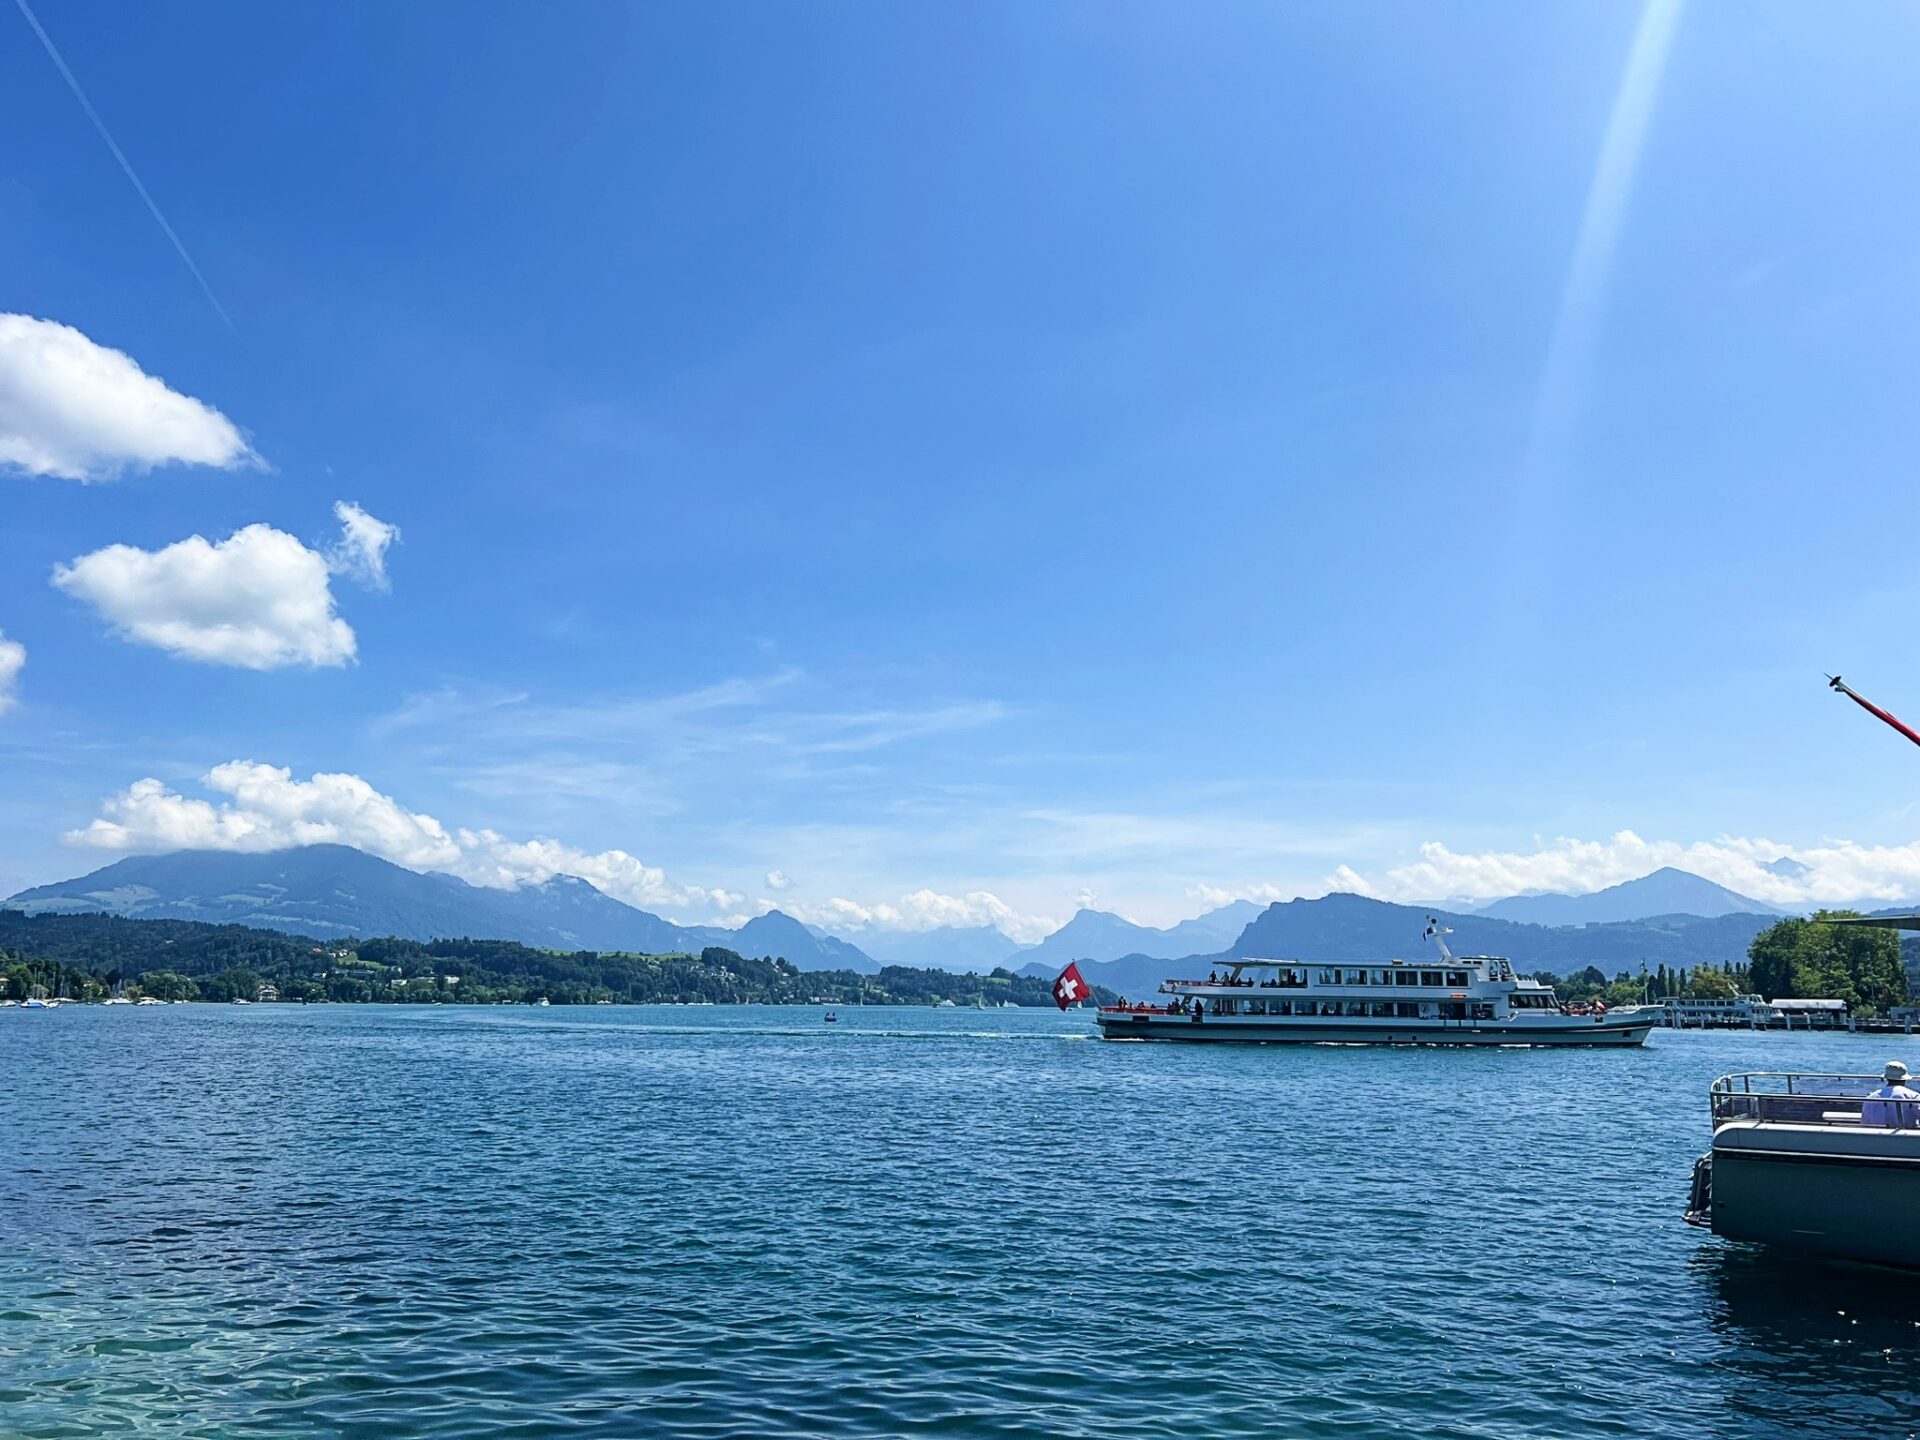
(830, 1018)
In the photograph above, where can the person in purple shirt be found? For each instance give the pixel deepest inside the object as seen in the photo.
(1893, 1105)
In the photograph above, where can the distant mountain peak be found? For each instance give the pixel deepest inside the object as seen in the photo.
(1666, 891)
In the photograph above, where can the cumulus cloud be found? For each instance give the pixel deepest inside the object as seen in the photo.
(925, 910)
(77, 410)
(258, 600)
(259, 808)
(362, 552)
(1790, 876)
(13, 658)
(778, 880)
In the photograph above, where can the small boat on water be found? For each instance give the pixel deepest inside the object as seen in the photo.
(831, 1018)
(1454, 1000)
(1812, 1162)
(35, 1003)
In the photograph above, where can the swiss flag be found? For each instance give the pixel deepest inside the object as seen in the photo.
(1071, 987)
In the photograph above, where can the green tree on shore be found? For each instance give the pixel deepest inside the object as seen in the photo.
(1808, 959)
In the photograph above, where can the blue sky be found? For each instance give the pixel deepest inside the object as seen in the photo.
(949, 462)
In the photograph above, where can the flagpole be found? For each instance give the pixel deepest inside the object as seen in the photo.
(1836, 683)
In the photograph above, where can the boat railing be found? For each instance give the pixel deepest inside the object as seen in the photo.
(1139, 1007)
(1791, 1098)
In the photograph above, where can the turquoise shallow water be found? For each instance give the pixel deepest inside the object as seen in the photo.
(371, 1221)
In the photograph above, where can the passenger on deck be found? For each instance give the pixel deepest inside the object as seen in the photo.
(1885, 1106)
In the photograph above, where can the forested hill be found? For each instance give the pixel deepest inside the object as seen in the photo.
(88, 955)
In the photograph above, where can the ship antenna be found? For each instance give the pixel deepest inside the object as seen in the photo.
(1434, 933)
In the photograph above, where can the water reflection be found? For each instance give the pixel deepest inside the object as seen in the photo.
(1810, 1346)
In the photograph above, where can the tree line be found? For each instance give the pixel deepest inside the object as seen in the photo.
(1795, 959)
(92, 956)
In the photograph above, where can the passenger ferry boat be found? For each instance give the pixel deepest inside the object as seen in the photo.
(1812, 1163)
(1455, 1000)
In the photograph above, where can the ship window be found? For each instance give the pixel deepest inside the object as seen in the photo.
(1456, 978)
(1452, 1010)
(1406, 977)
(1407, 1010)
(1482, 1012)
(1329, 977)
(1430, 977)
(1382, 977)
(1381, 1010)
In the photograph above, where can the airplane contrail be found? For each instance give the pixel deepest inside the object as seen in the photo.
(53, 53)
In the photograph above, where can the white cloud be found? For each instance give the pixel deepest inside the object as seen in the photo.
(924, 910)
(75, 409)
(778, 880)
(362, 552)
(258, 600)
(264, 808)
(13, 658)
(1828, 872)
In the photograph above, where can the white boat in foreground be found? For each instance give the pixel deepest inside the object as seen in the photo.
(1455, 1000)
(1812, 1162)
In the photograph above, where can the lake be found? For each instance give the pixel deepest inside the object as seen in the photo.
(433, 1222)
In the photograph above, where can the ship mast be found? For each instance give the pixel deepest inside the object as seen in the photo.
(1836, 683)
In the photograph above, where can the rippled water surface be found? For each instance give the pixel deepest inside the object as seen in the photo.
(372, 1221)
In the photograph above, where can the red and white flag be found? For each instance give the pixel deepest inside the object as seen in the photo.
(1071, 987)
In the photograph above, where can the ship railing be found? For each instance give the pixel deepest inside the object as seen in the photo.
(1791, 1098)
(1139, 1007)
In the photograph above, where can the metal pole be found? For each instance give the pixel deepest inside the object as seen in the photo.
(1836, 683)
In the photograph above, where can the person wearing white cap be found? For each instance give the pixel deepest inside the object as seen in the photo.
(1884, 1106)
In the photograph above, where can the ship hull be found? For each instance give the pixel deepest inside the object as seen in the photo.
(1233, 1030)
(1796, 1191)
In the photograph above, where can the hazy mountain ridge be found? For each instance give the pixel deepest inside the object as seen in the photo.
(1102, 935)
(331, 892)
(1666, 891)
(976, 949)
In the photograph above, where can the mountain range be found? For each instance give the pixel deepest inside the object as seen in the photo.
(333, 892)
(960, 949)
(1100, 935)
(1666, 891)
